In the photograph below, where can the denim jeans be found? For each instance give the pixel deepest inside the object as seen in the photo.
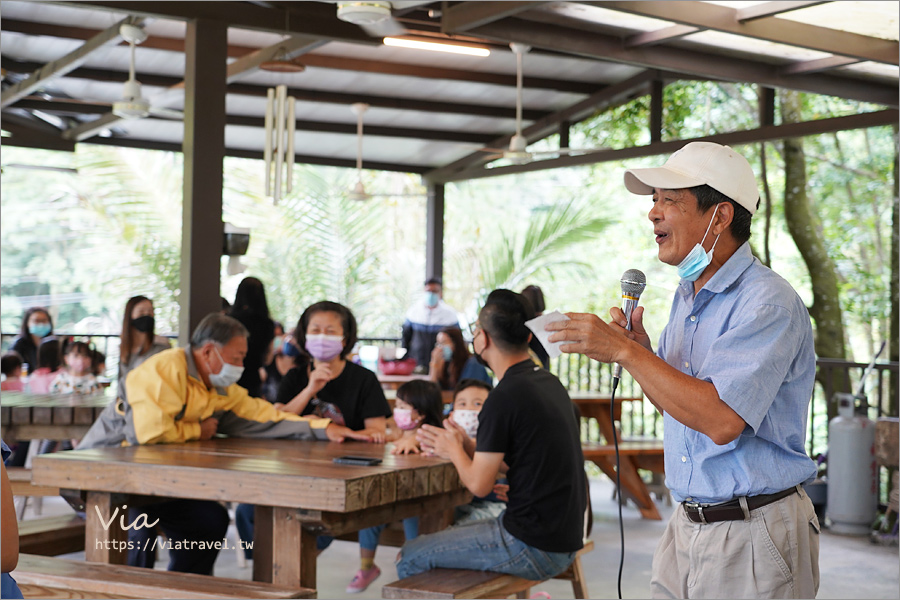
(244, 519)
(482, 546)
(368, 537)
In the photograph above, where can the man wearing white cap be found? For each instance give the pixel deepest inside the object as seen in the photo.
(733, 374)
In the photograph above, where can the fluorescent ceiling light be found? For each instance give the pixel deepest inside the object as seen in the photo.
(436, 46)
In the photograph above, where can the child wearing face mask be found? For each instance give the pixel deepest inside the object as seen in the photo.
(468, 399)
(418, 402)
(77, 376)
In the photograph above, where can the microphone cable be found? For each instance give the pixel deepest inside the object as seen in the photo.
(619, 498)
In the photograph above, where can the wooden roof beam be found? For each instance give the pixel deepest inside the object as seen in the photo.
(609, 96)
(468, 15)
(770, 9)
(323, 61)
(660, 36)
(761, 134)
(65, 64)
(317, 19)
(540, 34)
(782, 31)
(477, 110)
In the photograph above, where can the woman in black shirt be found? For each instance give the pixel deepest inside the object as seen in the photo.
(324, 382)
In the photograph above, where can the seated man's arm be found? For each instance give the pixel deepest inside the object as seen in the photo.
(157, 397)
(478, 473)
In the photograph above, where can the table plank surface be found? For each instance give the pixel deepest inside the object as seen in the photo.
(298, 483)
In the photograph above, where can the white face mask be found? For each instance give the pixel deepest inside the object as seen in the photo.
(228, 375)
(697, 259)
(468, 420)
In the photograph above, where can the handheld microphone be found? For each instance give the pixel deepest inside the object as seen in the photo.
(633, 284)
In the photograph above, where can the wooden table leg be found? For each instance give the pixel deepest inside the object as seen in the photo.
(632, 482)
(284, 553)
(294, 551)
(105, 540)
(262, 543)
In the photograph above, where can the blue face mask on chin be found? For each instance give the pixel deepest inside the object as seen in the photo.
(697, 259)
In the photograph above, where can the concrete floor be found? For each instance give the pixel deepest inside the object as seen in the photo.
(851, 567)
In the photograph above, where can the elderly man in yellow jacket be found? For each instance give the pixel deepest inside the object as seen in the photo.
(188, 394)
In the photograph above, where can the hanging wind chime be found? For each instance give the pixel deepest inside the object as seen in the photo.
(279, 150)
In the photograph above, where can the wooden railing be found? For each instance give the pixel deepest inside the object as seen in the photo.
(579, 373)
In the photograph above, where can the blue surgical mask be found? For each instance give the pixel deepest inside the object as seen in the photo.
(697, 259)
(448, 353)
(431, 299)
(40, 329)
(228, 375)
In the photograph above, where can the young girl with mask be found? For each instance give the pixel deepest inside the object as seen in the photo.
(138, 340)
(418, 402)
(468, 399)
(36, 325)
(77, 376)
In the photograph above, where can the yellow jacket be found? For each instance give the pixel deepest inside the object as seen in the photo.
(166, 400)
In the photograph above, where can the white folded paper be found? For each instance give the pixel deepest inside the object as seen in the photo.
(537, 324)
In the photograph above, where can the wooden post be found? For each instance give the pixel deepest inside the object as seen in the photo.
(202, 233)
(434, 235)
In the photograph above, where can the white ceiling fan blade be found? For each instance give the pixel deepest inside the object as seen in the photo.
(168, 113)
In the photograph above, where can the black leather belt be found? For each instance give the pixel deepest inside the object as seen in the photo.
(731, 510)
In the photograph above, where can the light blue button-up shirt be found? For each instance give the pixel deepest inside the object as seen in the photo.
(749, 334)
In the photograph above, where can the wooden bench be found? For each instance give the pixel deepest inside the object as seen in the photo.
(134, 582)
(50, 593)
(51, 536)
(633, 455)
(464, 583)
(20, 482)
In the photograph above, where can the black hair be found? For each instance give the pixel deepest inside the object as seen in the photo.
(80, 348)
(9, 362)
(250, 298)
(503, 318)
(348, 323)
(707, 197)
(434, 280)
(49, 354)
(468, 382)
(536, 296)
(425, 397)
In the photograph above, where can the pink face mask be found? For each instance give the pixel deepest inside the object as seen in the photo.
(324, 347)
(79, 364)
(403, 419)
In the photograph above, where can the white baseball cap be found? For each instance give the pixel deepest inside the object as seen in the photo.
(699, 163)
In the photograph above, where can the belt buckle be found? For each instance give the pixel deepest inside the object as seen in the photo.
(699, 507)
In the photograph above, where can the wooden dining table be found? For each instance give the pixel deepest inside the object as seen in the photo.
(299, 492)
(26, 416)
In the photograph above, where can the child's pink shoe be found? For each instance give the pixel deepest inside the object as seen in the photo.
(541, 595)
(363, 579)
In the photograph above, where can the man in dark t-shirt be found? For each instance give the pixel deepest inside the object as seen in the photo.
(527, 429)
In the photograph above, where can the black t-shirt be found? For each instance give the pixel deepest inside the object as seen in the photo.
(262, 332)
(355, 392)
(529, 418)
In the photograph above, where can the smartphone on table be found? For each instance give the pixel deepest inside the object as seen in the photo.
(357, 460)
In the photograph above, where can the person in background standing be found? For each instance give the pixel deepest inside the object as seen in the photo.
(424, 320)
(252, 310)
(138, 341)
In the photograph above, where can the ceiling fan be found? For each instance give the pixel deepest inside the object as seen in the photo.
(518, 153)
(133, 105)
(374, 17)
(358, 191)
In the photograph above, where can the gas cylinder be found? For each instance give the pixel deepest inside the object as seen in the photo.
(852, 472)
